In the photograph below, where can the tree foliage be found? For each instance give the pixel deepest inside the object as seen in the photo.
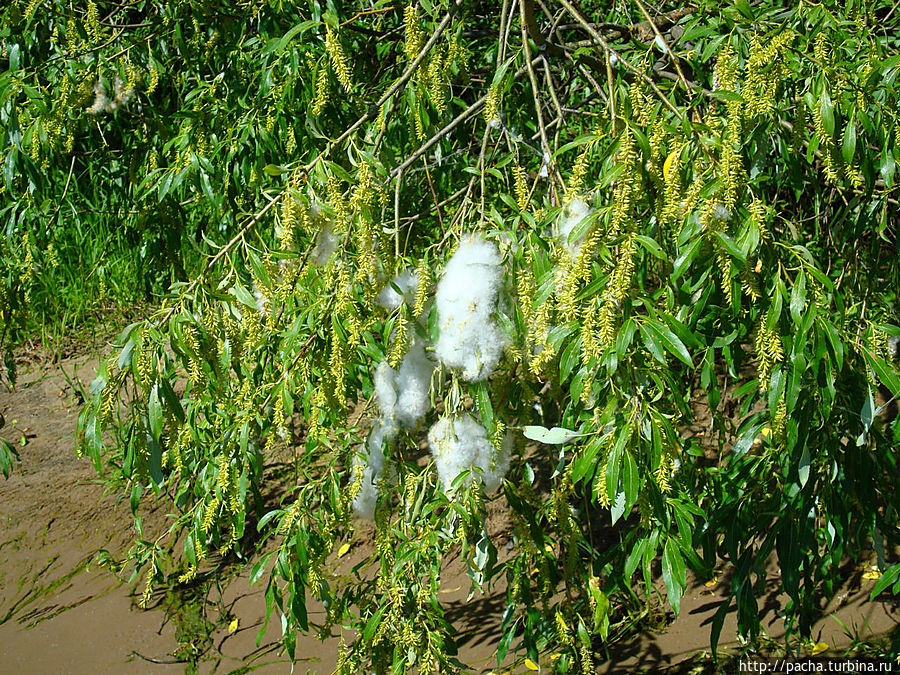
(691, 213)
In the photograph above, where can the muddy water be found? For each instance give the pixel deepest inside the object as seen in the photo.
(62, 612)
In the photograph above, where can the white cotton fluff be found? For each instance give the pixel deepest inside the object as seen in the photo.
(545, 166)
(721, 212)
(371, 468)
(326, 244)
(262, 302)
(466, 298)
(575, 212)
(404, 394)
(408, 283)
(102, 103)
(461, 444)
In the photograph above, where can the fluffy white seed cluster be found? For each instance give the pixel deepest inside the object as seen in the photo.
(461, 444)
(575, 212)
(262, 302)
(103, 104)
(467, 295)
(407, 283)
(326, 244)
(404, 394)
(371, 468)
(894, 347)
(721, 213)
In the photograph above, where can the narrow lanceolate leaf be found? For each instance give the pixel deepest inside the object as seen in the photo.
(673, 571)
(826, 110)
(553, 436)
(669, 341)
(154, 413)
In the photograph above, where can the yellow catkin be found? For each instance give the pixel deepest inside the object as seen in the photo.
(591, 346)
(338, 204)
(492, 106)
(640, 106)
(400, 338)
(520, 184)
(579, 171)
(337, 364)
(731, 168)
(414, 36)
(423, 275)
(339, 60)
(323, 90)
(562, 631)
(148, 588)
(616, 290)
(437, 86)
(672, 188)
(769, 353)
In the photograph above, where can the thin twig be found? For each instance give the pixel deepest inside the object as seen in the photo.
(535, 89)
(398, 181)
(437, 206)
(425, 147)
(665, 44)
(599, 39)
(393, 89)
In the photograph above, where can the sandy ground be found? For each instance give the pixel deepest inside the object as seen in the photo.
(61, 612)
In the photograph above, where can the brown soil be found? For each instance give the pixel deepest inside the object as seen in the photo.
(61, 612)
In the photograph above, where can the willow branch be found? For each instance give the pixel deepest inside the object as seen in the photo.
(665, 44)
(599, 39)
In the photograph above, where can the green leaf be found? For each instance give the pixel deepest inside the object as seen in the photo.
(585, 462)
(553, 436)
(372, 624)
(888, 166)
(617, 509)
(172, 402)
(653, 344)
(826, 110)
(8, 454)
(803, 468)
(670, 341)
(887, 373)
(683, 261)
(866, 414)
(154, 413)
(287, 37)
(848, 146)
(834, 339)
(601, 609)
(652, 247)
(717, 622)
(889, 577)
(631, 481)
(243, 295)
(732, 247)
(673, 572)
